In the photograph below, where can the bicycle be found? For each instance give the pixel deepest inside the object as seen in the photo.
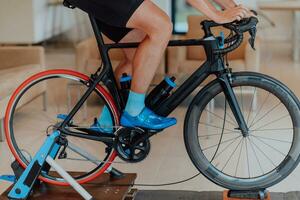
(222, 110)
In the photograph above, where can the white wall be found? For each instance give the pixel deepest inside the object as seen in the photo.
(22, 21)
(283, 20)
(31, 21)
(14, 21)
(165, 5)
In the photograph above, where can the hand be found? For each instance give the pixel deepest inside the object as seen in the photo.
(232, 14)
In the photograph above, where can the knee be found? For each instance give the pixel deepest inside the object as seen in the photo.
(162, 29)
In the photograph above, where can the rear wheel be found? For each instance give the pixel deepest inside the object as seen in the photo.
(220, 151)
(39, 105)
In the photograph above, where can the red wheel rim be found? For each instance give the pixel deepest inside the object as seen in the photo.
(105, 95)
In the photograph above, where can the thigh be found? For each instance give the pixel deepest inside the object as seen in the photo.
(147, 17)
(134, 35)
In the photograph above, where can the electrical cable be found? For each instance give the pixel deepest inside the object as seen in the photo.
(176, 182)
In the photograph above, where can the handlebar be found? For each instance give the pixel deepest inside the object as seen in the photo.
(238, 27)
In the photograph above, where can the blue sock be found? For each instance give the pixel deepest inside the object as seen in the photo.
(135, 103)
(105, 120)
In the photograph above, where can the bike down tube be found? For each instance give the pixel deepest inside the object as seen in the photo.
(184, 90)
(211, 65)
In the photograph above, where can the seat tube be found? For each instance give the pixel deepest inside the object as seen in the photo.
(108, 74)
(233, 103)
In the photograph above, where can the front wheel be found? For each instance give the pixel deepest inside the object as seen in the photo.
(220, 151)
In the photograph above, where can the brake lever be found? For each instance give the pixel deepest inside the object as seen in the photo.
(254, 12)
(251, 40)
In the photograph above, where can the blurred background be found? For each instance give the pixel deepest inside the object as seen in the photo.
(42, 34)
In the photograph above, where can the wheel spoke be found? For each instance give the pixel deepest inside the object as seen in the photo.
(247, 155)
(260, 108)
(263, 153)
(284, 141)
(269, 145)
(276, 120)
(214, 126)
(230, 116)
(251, 105)
(223, 150)
(220, 143)
(239, 158)
(221, 118)
(265, 115)
(232, 155)
(251, 145)
(227, 133)
(275, 129)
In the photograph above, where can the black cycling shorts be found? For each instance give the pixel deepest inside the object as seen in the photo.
(112, 15)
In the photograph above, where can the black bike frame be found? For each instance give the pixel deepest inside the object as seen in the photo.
(213, 65)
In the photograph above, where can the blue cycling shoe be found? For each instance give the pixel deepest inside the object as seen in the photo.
(97, 127)
(147, 119)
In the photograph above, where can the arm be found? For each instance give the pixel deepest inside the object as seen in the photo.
(225, 16)
(226, 4)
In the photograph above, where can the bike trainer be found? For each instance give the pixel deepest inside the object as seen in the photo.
(27, 186)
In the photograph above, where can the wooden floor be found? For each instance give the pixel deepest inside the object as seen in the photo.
(104, 188)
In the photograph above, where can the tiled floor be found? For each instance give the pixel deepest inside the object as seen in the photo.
(168, 160)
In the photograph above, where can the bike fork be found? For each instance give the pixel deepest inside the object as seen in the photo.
(225, 80)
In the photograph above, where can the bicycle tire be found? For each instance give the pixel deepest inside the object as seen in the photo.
(205, 166)
(17, 97)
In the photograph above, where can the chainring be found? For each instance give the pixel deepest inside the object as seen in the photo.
(132, 144)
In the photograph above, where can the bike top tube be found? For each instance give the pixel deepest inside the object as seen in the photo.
(188, 42)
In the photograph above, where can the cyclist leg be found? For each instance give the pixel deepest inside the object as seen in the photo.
(157, 25)
(125, 65)
(104, 122)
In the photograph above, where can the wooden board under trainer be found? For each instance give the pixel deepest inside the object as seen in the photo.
(225, 197)
(104, 188)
